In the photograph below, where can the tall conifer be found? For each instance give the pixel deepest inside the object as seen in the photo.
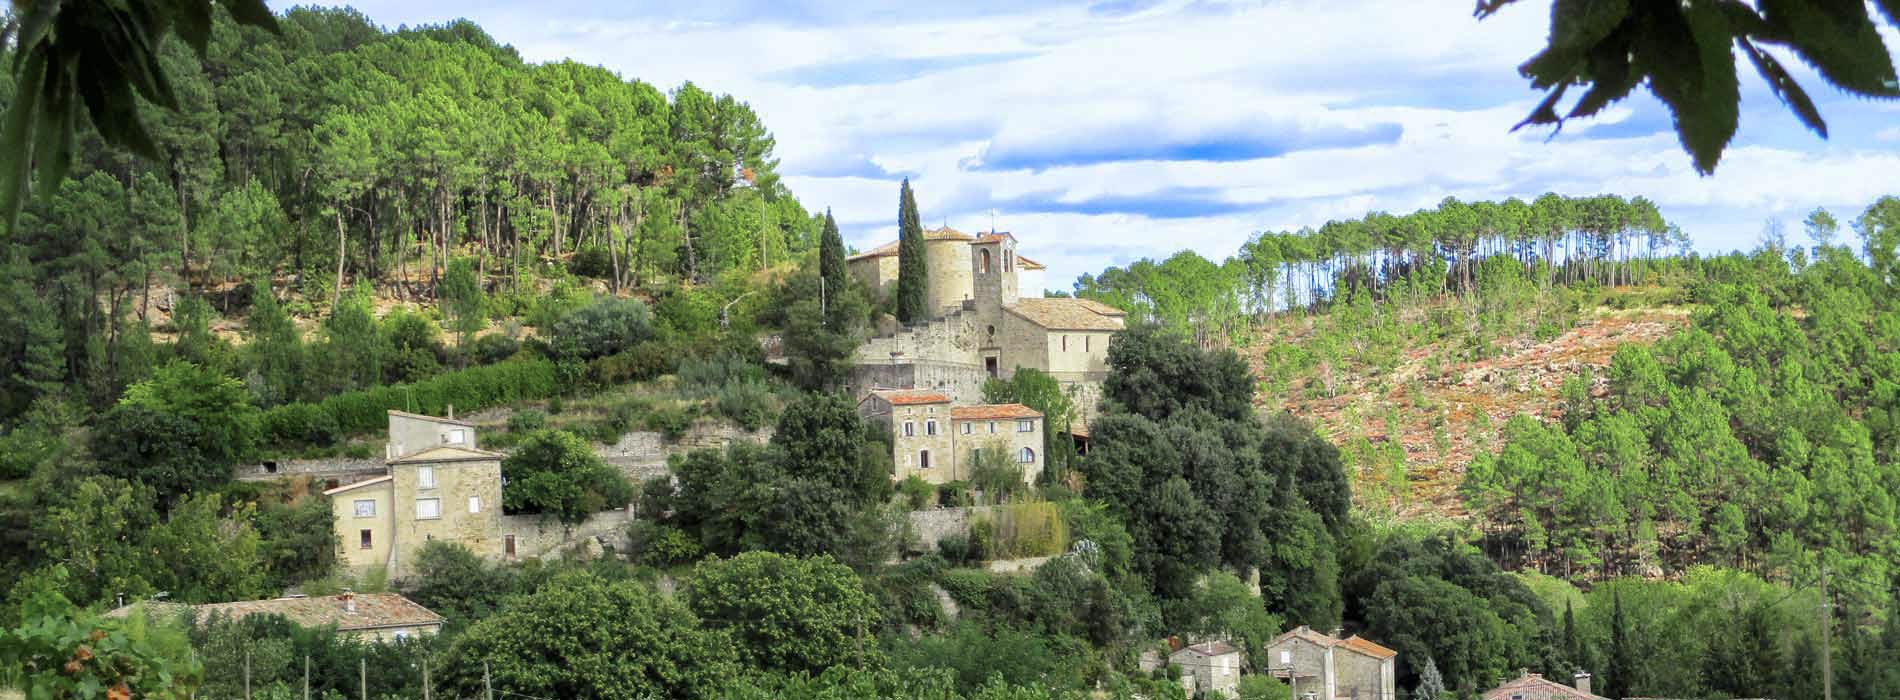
(831, 268)
(912, 274)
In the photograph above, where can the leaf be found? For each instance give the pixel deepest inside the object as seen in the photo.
(1692, 70)
(253, 13)
(1892, 9)
(1581, 24)
(1839, 39)
(1546, 111)
(21, 117)
(1786, 88)
(1610, 74)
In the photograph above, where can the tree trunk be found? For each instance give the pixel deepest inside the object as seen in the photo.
(337, 295)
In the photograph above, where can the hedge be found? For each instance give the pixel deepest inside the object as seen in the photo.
(365, 411)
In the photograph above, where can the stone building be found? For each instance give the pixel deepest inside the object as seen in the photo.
(1532, 686)
(1209, 669)
(984, 323)
(366, 616)
(937, 440)
(439, 485)
(1352, 668)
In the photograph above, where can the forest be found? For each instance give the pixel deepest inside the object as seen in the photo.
(348, 220)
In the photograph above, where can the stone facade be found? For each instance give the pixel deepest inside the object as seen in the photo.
(985, 324)
(1353, 668)
(937, 441)
(446, 489)
(1209, 669)
(1532, 686)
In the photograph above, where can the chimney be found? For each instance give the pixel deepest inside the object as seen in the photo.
(349, 601)
(1339, 633)
(1582, 680)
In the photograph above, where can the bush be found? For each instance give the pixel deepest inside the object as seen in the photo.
(558, 474)
(703, 378)
(641, 362)
(602, 328)
(300, 424)
(955, 548)
(917, 492)
(475, 388)
(526, 421)
(671, 420)
(955, 494)
(596, 263)
(970, 588)
(746, 403)
(492, 348)
(982, 540)
(661, 545)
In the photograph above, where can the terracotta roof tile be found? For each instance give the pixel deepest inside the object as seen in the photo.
(935, 234)
(1367, 647)
(993, 411)
(1027, 264)
(373, 610)
(1305, 633)
(1537, 686)
(1070, 314)
(878, 252)
(911, 397)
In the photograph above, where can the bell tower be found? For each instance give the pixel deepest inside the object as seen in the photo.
(993, 272)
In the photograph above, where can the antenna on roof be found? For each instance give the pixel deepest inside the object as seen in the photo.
(992, 221)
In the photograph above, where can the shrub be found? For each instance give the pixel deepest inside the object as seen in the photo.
(703, 378)
(643, 361)
(671, 420)
(558, 474)
(661, 545)
(917, 492)
(602, 328)
(955, 548)
(596, 263)
(746, 403)
(492, 348)
(475, 388)
(955, 494)
(982, 540)
(970, 588)
(526, 421)
(300, 424)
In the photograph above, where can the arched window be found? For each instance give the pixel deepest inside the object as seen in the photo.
(984, 254)
(1028, 456)
(1008, 260)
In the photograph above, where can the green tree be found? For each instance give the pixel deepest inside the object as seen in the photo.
(820, 437)
(605, 327)
(913, 270)
(169, 453)
(1036, 389)
(219, 405)
(555, 473)
(787, 614)
(464, 302)
(456, 583)
(832, 274)
(276, 353)
(66, 653)
(1431, 685)
(580, 636)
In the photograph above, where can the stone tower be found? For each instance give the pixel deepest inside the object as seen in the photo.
(993, 272)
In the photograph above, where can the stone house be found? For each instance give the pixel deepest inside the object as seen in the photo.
(439, 485)
(1532, 686)
(1209, 669)
(937, 440)
(985, 323)
(1352, 668)
(373, 617)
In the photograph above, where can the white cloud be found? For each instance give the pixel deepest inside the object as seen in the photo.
(1110, 109)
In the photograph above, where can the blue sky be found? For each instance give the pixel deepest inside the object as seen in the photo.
(1104, 132)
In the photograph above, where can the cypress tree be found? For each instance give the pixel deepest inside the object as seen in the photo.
(912, 275)
(831, 268)
(1622, 658)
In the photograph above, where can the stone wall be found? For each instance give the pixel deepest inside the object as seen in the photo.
(344, 470)
(928, 526)
(642, 455)
(548, 538)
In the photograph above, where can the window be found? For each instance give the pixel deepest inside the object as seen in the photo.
(425, 477)
(992, 426)
(366, 508)
(1026, 426)
(428, 508)
(508, 545)
(910, 429)
(1027, 456)
(362, 539)
(1065, 343)
(930, 427)
(968, 427)
(474, 504)
(1085, 343)
(400, 634)
(455, 437)
(923, 459)
(985, 256)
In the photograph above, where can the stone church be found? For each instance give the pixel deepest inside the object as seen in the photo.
(988, 318)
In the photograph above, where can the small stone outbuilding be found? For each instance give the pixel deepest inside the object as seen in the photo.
(371, 617)
(1209, 669)
(1533, 686)
(1351, 668)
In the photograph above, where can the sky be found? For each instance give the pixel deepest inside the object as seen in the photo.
(1101, 133)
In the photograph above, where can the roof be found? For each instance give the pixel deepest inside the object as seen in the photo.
(1545, 687)
(359, 484)
(373, 611)
(910, 397)
(447, 453)
(991, 411)
(1027, 264)
(432, 419)
(1367, 647)
(1214, 648)
(1070, 314)
(935, 234)
(1306, 634)
(993, 236)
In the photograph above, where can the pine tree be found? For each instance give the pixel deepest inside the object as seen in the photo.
(1431, 685)
(912, 274)
(276, 348)
(831, 270)
(1622, 669)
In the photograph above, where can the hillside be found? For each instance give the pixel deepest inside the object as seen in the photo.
(1441, 413)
